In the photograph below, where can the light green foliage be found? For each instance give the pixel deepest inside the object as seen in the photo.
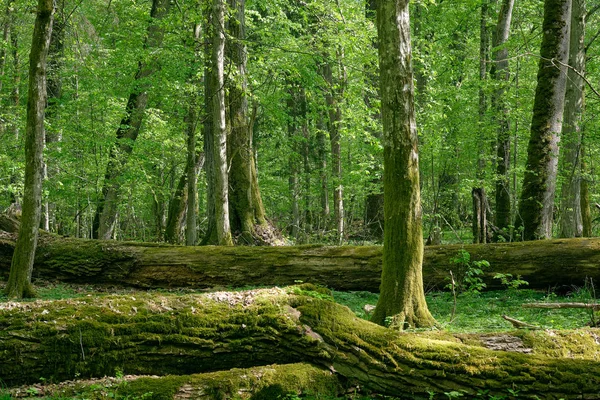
(511, 282)
(467, 273)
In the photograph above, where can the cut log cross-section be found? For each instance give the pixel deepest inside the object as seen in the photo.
(170, 334)
(544, 264)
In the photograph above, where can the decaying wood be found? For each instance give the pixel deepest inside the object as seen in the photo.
(544, 263)
(562, 305)
(168, 334)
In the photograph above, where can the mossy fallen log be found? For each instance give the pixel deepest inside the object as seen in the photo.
(259, 383)
(168, 334)
(544, 264)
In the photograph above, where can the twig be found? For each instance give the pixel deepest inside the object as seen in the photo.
(520, 324)
(453, 296)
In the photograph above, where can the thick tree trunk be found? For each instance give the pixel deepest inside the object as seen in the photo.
(402, 297)
(501, 73)
(543, 264)
(571, 224)
(537, 197)
(178, 335)
(19, 280)
(246, 210)
(106, 212)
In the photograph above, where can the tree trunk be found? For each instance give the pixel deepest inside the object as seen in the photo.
(501, 73)
(586, 213)
(333, 98)
(402, 297)
(484, 44)
(537, 197)
(324, 192)
(221, 177)
(543, 264)
(106, 212)
(480, 233)
(6, 31)
(247, 213)
(19, 280)
(178, 335)
(570, 218)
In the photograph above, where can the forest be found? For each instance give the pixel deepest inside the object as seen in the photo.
(305, 199)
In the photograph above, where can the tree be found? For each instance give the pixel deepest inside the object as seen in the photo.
(129, 129)
(19, 281)
(221, 175)
(537, 197)
(571, 224)
(501, 73)
(401, 296)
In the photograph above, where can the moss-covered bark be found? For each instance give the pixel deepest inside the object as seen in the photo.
(259, 383)
(402, 297)
(539, 184)
(543, 263)
(149, 334)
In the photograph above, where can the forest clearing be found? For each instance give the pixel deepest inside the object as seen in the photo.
(306, 199)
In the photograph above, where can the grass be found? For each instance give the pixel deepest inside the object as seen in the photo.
(483, 312)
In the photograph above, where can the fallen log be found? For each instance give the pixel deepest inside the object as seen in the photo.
(544, 264)
(168, 334)
(595, 307)
(266, 382)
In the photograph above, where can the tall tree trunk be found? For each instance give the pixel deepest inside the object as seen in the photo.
(129, 128)
(6, 31)
(54, 86)
(19, 281)
(333, 97)
(221, 189)
(402, 296)
(210, 236)
(571, 224)
(501, 73)
(247, 213)
(537, 197)
(484, 44)
(191, 231)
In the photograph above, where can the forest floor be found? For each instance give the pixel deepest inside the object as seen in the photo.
(470, 312)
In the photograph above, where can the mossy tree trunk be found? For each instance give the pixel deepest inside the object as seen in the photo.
(401, 296)
(19, 280)
(571, 224)
(129, 129)
(179, 335)
(246, 210)
(539, 185)
(501, 74)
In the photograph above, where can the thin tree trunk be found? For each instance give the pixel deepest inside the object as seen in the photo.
(483, 73)
(221, 189)
(333, 99)
(191, 231)
(19, 281)
(536, 207)
(501, 73)
(402, 298)
(129, 128)
(324, 194)
(6, 32)
(586, 213)
(571, 224)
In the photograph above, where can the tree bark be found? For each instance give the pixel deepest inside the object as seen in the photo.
(106, 212)
(333, 94)
(221, 177)
(347, 268)
(247, 213)
(537, 197)
(402, 297)
(571, 224)
(501, 73)
(178, 335)
(19, 280)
